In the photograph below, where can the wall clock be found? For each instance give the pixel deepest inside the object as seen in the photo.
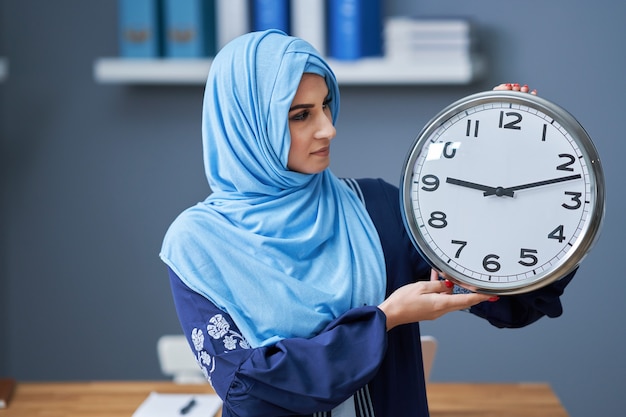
(503, 191)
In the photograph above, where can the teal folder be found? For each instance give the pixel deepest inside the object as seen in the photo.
(190, 28)
(139, 28)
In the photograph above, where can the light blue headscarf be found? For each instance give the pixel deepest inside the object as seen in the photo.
(283, 253)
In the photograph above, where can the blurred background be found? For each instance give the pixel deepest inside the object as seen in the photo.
(92, 175)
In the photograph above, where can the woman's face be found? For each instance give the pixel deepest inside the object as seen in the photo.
(311, 126)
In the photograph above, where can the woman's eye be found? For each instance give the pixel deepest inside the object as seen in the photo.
(326, 103)
(301, 116)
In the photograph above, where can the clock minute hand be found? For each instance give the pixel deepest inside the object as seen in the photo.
(536, 184)
(499, 191)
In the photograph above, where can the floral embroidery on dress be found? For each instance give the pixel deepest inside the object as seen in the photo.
(197, 337)
(205, 361)
(218, 328)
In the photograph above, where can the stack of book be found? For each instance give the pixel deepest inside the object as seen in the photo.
(429, 41)
(343, 30)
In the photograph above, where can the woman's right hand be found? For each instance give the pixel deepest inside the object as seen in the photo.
(426, 300)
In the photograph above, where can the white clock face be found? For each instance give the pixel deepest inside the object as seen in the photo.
(501, 195)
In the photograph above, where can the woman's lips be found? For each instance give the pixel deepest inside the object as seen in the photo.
(322, 152)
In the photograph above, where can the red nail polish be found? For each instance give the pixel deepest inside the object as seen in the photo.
(449, 284)
(493, 299)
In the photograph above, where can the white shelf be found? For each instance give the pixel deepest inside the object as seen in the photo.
(4, 69)
(369, 71)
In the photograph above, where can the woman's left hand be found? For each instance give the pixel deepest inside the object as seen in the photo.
(515, 87)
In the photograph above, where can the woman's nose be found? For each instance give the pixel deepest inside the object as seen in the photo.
(326, 129)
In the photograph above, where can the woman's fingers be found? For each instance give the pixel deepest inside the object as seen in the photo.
(434, 274)
(515, 87)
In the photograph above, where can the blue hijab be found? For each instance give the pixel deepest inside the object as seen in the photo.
(283, 253)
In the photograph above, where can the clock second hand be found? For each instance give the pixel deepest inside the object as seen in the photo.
(499, 191)
(511, 190)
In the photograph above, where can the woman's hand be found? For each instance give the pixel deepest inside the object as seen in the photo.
(515, 87)
(426, 300)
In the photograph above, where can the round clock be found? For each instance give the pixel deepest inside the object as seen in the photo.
(503, 192)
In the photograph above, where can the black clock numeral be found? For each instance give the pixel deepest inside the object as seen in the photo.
(449, 150)
(557, 234)
(431, 182)
(490, 263)
(528, 257)
(575, 198)
(468, 130)
(512, 124)
(438, 220)
(459, 242)
(566, 166)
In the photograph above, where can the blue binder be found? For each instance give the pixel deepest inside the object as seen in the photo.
(139, 28)
(190, 28)
(355, 29)
(270, 14)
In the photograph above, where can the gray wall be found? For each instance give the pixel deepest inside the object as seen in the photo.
(93, 174)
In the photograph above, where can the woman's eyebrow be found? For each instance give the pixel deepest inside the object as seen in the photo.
(301, 106)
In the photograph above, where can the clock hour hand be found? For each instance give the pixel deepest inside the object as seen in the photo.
(511, 190)
(499, 191)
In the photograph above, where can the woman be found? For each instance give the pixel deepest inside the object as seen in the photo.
(301, 293)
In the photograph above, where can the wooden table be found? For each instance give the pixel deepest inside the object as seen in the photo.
(117, 398)
(493, 400)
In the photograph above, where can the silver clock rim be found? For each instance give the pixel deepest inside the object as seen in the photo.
(584, 243)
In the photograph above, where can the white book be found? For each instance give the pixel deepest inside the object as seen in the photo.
(232, 19)
(308, 21)
(429, 57)
(401, 28)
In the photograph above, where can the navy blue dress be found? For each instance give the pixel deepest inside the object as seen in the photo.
(354, 356)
